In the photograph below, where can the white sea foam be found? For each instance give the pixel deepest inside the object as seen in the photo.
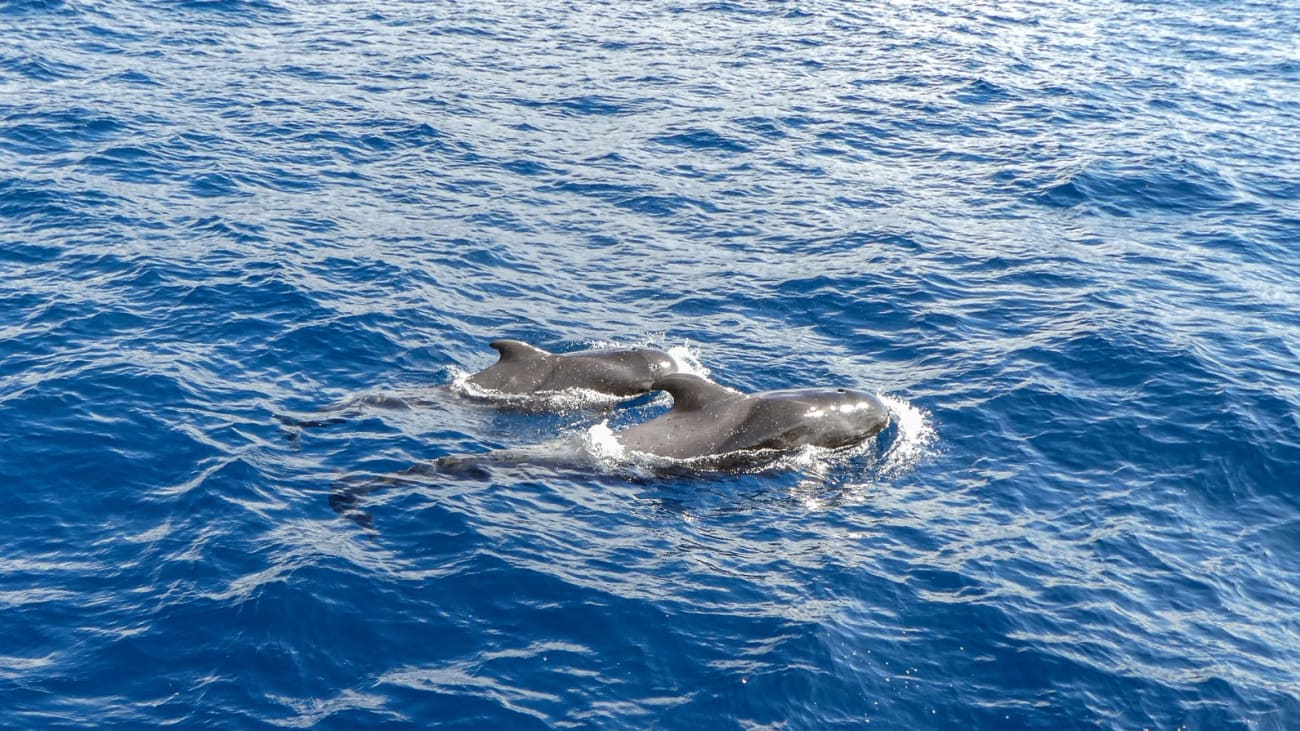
(913, 439)
(600, 441)
(687, 360)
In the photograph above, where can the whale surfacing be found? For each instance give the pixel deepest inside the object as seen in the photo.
(721, 428)
(525, 369)
(709, 420)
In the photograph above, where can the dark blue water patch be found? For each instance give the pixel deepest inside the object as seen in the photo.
(216, 185)
(359, 271)
(528, 167)
(353, 343)
(474, 31)
(136, 77)
(390, 135)
(587, 105)
(114, 449)
(982, 91)
(309, 73)
(1222, 240)
(502, 220)
(128, 163)
(47, 204)
(226, 229)
(1271, 185)
(1172, 416)
(762, 126)
(40, 68)
(336, 144)
(36, 7)
(1139, 187)
(664, 205)
(235, 12)
(32, 134)
(635, 198)
(702, 139)
(284, 180)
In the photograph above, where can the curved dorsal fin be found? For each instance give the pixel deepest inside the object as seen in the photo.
(516, 350)
(691, 392)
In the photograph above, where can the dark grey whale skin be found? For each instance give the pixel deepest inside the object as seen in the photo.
(708, 420)
(526, 369)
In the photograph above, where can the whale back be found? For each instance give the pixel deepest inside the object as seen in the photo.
(516, 351)
(690, 392)
(620, 371)
(521, 368)
(709, 420)
(526, 369)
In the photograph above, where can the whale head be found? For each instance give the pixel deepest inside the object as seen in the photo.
(828, 418)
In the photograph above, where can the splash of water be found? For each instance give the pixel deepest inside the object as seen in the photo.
(687, 360)
(913, 439)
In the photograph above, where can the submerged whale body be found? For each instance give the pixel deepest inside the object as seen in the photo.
(525, 369)
(710, 420)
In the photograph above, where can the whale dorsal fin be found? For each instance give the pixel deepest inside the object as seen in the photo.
(690, 392)
(516, 351)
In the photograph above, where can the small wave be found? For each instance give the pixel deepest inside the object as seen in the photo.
(1145, 185)
(702, 139)
(688, 361)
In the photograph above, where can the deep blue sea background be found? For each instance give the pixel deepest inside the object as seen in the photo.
(1062, 238)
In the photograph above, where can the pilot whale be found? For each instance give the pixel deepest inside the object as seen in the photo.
(526, 369)
(708, 422)
(708, 419)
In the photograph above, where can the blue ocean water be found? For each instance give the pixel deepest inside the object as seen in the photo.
(1059, 238)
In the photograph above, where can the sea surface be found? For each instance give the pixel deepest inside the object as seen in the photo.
(1060, 239)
